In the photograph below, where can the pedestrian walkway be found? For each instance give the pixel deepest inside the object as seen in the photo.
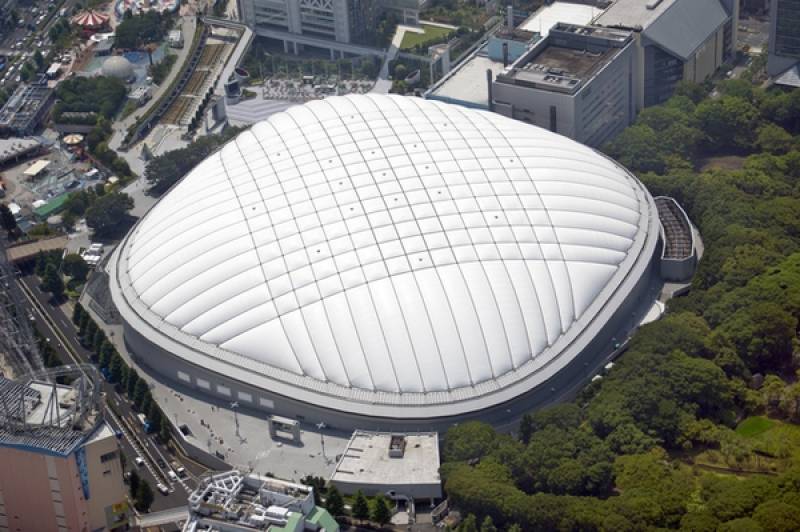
(188, 27)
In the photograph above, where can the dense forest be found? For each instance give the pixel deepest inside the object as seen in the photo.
(693, 428)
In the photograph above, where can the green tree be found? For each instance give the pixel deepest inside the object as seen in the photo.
(400, 72)
(777, 516)
(144, 496)
(84, 324)
(334, 502)
(41, 264)
(772, 138)
(88, 336)
(526, 428)
(77, 312)
(488, 525)
(115, 368)
(153, 412)
(763, 334)
(131, 383)
(728, 122)
(469, 524)
(139, 392)
(468, 441)
(165, 170)
(7, 220)
(97, 341)
(743, 524)
(381, 512)
(52, 281)
(76, 267)
(133, 483)
(360, 507)
(108, 212)
(147, 402)
(106, 353)
(164, 431)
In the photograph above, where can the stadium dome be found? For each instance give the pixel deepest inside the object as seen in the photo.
(118, 67)
(387, 257)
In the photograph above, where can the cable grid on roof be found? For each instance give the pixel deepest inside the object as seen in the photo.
(365, 192)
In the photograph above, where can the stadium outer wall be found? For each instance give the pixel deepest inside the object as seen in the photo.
(589, 352)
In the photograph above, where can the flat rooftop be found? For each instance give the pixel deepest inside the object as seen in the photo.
(23, 105)
(548, 16)
(561, 67)
(566, 68)
(16, 146)
(366, 460)
(466, 84)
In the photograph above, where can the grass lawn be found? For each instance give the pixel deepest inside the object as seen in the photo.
(771, 437)
(432, 34)
(753, 426)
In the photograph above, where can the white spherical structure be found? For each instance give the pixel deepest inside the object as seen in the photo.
(118, 67)
(386, 258)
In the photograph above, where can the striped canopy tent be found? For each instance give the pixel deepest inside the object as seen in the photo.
(90, 19)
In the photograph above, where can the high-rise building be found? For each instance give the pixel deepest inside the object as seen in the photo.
(784, 41)
(343, 21)
(60, 465)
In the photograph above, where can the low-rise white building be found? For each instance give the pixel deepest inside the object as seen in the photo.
(235, 502)
(401, 466)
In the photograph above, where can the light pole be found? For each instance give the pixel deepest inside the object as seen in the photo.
(321, 426)
(235, 407)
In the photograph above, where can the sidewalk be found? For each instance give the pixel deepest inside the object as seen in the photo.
(383, 84)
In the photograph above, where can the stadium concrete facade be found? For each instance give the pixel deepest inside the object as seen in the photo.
(389, 262)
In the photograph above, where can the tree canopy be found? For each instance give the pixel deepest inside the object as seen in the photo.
(167, 169)
(108, 213)
(623, 455)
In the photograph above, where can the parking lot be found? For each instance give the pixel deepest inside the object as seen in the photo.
(23, 31)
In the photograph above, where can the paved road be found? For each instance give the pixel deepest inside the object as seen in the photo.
(171, 515)
(60, 333)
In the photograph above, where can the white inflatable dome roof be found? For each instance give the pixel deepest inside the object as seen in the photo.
(117, 66)
(387, 249)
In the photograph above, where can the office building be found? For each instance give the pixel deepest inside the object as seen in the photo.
(343, 21)
(60, 465)
(24, 111)
(676, 40)
(784, 42)
(578, 81)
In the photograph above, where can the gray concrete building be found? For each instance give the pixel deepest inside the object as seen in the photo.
(784, 42)
(579, 81)
(676, 40)
(402, 466)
